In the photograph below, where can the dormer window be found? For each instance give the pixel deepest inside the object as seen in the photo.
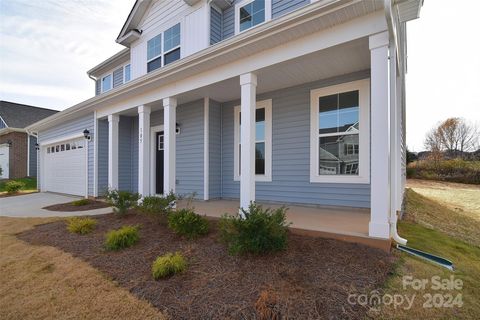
(250, 13)
(170, 50)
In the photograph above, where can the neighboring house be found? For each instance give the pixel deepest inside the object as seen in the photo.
(18, 153)
(317, 86)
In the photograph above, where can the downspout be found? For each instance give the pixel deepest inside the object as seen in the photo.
(391, 30)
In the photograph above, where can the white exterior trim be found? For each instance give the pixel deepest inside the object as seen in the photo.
(169, 164)
(113, 121)
(363, 86)
(86, 167)
(28, 155)
(206, 148)
(268, 14)
(153, 158)
(267, 177)
(143, 150)
(95, 154)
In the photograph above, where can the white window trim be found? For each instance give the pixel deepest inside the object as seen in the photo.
(101, 82)
(267, 177)
(162, 45)
(124, 73)
(363, 86)
(268, 14)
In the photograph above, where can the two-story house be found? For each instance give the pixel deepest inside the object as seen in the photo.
(300, 102)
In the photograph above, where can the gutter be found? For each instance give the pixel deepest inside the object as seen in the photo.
(391, 30)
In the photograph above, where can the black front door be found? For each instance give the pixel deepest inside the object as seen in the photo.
(159, 163)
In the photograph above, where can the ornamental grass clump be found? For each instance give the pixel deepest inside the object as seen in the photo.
(187, 223)
(168, 265)
(81, 225)
(261, 231)
(122, 238)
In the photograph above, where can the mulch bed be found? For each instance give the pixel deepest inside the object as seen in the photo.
(92, 205)
(310, 280)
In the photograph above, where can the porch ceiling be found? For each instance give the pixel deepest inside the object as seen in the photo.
(335, 61)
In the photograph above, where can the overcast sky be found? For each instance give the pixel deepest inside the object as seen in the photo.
(46, 47)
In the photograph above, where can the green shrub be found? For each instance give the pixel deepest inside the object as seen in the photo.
(168, 265)
(158, 205)
(122, 238)
(261, 231)
(187, 223)
(81, 202)
(81, 225)
(14, 186)
(121, 201)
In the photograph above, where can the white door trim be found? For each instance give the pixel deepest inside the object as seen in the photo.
(153, 158)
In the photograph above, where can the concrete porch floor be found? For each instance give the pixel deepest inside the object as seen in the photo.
(347, 224)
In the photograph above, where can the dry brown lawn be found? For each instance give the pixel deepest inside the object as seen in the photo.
(41, 282)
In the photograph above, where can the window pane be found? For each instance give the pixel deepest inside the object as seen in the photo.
(260, 158)
(348, 111)
(338, 113)
(172, 38)
(260, 124)
(327, 116)
(172, 56)
(252, 14)
(337, 155)
(127, 73)
(107, 83)
(154, 64)
(154, 47)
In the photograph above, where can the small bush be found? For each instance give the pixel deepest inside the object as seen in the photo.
(14, 186)
(158, 205)
(81, 202)
(81, 225)
(168, 265)
(261, 231)
(454, 170)
(122, 238)
(121, 201)
(187, 223)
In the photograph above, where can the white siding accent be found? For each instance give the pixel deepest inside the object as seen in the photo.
(196, 31)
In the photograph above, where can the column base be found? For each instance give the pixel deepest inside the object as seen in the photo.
(379, 230)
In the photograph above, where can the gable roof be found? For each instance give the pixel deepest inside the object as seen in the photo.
(133, 19)
(19, 116)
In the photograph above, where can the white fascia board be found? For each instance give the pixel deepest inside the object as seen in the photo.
(8, 130)
(353, 29)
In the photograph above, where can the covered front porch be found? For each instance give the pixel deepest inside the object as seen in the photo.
(204, 142)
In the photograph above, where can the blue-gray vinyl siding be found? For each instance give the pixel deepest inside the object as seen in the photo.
(291, 152)
(215, 26)
(70, 128)
(223, 23)
(215, 150)
(32, 164)
(98, 84)
(102, 140)
(2, 124)
(118, 77)
(189, 152)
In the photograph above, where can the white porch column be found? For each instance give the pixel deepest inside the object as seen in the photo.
(169, 127)
(380, 198)
(113, 120)
(248, 83)
(144, 150)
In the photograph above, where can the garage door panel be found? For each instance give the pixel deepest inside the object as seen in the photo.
(65, 169)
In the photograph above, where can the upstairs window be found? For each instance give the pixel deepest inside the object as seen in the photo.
(126, 73)
(340, 133)
(154, 53)
(170, 49)
(171, 44)
(250, 13)
(107, 83)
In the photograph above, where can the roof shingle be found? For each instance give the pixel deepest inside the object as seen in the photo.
(20, 116)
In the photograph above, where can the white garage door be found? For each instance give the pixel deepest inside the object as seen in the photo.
(65, 167)
(4, 161)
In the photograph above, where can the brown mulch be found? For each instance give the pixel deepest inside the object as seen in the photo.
(310, 280)
(92, 205)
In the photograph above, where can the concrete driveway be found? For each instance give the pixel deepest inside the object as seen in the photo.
(30, 205)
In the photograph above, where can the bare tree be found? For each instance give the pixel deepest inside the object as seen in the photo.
(454, 135)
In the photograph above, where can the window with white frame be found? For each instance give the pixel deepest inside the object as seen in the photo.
(263, 141)
(158, 55)
(340, 129)
(126, 73)
(249, 13)
(107, 83)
